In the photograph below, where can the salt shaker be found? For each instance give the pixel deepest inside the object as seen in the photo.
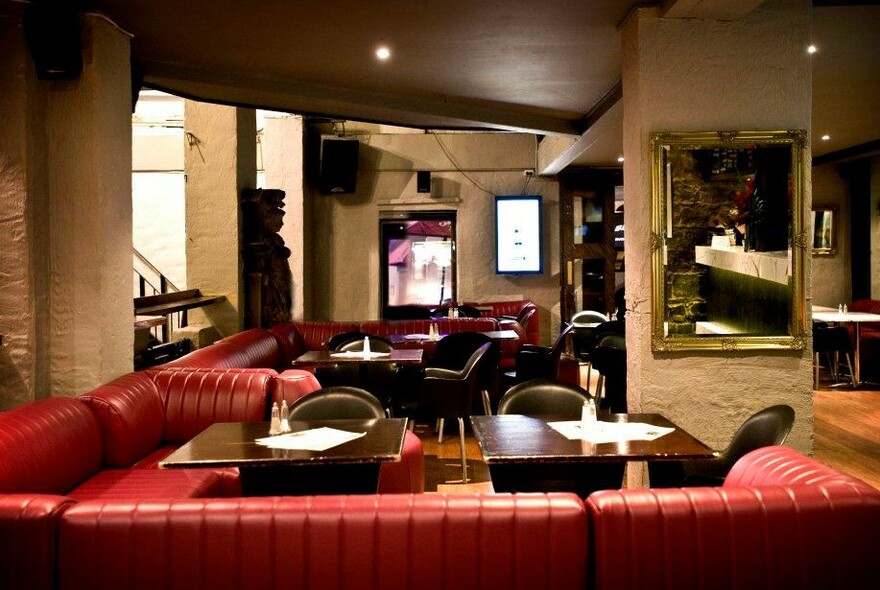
(844, 308)
(366, 346)
(275, 421)
(285, 423)
(588, 415)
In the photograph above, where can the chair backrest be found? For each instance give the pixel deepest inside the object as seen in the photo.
(339, 339)
(377, 344)
(609, 358)
(766, 428)
(468, 311)
(336, 403)
(588, 316)
(526, 315)
(454, 350)
(544, 396)
(559, 344)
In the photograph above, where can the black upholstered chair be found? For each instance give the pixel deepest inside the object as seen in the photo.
(448, 393)
(766, 428)
(832, 342)
(609, 359)
(377, 378)
(538, 362)
(336, 403)
(454, 351)
(544, 396)
(468, 311)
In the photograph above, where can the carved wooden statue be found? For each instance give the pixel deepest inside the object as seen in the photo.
(268, 292)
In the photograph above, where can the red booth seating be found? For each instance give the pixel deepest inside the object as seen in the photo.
(781, 520)
(456, 542)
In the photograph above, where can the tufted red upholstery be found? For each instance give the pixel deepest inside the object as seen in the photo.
(456, 542)
(195, 399)
(28, 536)
(407, 475)
(780, 521)
(146, 484)
(35, 440)
(292, 384)
(131, 416)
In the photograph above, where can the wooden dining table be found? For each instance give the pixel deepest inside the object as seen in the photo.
(349, 468)
(525, 454)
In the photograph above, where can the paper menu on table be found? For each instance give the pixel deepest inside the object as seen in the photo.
(609, 432)
(316, 439)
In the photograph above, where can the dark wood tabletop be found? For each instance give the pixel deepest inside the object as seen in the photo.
(324, 357)
(516, 438)
(231, 444)
(349, 468)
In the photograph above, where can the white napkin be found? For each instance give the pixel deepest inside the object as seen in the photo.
(316, 439)
(609, 432)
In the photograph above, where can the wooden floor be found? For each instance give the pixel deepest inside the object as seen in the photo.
(846, 436)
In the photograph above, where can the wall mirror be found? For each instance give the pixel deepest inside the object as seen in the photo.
(822, 222)
(728, 240)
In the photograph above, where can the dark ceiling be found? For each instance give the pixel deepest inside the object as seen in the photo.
(508, 65)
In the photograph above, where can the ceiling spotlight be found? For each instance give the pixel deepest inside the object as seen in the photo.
(620, 159)
(383, 53)
(812, 49)
(826, 137)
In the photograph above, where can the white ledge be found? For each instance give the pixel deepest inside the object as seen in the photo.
(769, 266)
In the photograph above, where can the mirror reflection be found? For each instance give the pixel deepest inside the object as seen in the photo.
(728, 240)
(822, 222)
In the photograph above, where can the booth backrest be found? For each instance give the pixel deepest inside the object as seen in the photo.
(48, 446)
(388, 542)
(131, 415)
(195, 399)
(781, 520)
(255, 348)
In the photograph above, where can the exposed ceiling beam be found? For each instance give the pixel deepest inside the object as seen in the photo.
(556, 153)
(709, 9)
(317, 99)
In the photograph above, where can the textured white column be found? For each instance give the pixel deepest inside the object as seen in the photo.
(219, 160)
(701, 75)
(282, 145)
(88, 124)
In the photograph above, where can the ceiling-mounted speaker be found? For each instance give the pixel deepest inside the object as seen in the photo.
(53, 37)
(337, 173)
(423, 181)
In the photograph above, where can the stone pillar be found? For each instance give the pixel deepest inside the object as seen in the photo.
(706, 75)
(65, 251)
(282, 149)
(219, 161)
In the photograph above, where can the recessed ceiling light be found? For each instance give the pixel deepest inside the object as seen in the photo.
(826, 137)
(383, 53)
(812, 49)
(620, 159)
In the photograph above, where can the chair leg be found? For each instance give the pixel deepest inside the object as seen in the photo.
(589, 373)
(816, 371)
(599, 383)
(463, 452)
(852, 375)
(439, 430)
(487, 405)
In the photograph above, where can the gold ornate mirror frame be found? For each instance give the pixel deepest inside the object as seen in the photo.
(728, 240)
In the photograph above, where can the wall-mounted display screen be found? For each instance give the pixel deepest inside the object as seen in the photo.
(518, 235)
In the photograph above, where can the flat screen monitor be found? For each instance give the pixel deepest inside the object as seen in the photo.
(518, 235)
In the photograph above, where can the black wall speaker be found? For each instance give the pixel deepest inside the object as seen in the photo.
(338, 164)
(423, 181)
(53, 37)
